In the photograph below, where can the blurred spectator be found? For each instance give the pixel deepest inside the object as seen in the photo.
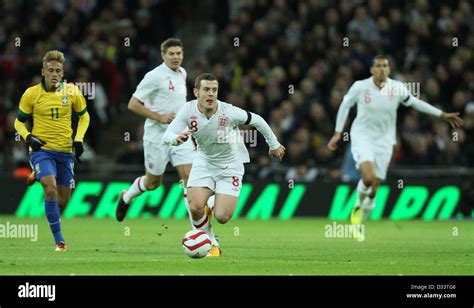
(363, 25)
(301, 172)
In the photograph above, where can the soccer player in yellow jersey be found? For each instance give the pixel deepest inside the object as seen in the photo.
(50, 105)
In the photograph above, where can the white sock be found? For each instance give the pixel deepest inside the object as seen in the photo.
(368, 207)
(186, 203)
(205, 225)
(211, 201)
(362, 192)
(137, 188)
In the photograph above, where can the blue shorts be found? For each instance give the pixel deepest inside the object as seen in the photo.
(58, 164)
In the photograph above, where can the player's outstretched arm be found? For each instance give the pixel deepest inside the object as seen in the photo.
(348, 101)
(139, 108)
(280, 152)
(452, 118)
(82, 126)
(21, 128)
(177, 132)
(332, 145)
(276, 149)
(33, 141)
(80, 107)
(24, 113)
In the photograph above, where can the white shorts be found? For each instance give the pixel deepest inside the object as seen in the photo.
(158, 155)
(227, 181)
(363, 151)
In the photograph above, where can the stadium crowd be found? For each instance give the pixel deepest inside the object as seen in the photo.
(289, 61)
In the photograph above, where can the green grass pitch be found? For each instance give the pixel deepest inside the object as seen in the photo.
(293, 247)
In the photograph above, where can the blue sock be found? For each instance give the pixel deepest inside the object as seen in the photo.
(52, 213)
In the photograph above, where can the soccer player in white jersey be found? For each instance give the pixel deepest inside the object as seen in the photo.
(218, 166)
(158, 98)
(373, 132)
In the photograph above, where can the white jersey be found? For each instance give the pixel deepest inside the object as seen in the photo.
(163, 91)
(218, 140)
(377, 110)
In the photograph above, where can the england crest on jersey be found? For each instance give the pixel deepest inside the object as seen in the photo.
(222, 121)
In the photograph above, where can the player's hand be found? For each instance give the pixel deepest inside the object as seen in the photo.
(78, 150)
(34, 142)
(279, 152)
(452, 118)
(183, 137)
(167, 118)
(332, 145)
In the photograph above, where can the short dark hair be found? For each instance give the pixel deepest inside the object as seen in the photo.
(171, 42)
(379, 57)
(203, 76)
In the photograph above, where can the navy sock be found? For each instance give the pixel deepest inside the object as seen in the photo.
(52, 213)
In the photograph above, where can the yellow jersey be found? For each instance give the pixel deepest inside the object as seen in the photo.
(52, 113)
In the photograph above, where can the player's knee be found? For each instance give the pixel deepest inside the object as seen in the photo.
(223, 218)
(374, 189)
(50, 192)
(372, 194)
(63, 202)
(368, 179)
(195, 206)
(152, 185)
